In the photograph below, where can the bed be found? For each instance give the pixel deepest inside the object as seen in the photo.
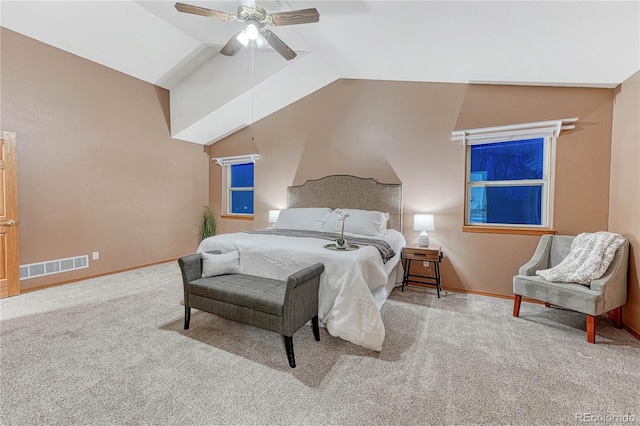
(355, 283)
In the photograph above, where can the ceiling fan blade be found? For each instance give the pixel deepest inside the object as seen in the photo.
(294, 17)
(187, 8)
(233, 46)
(279, 45)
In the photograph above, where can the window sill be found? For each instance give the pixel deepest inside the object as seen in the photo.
(506, 230)
(236, 217)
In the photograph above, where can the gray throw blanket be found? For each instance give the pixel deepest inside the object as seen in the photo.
(383, 247)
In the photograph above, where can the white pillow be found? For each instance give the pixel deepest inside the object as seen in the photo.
(362, 222)
(310, 219)
(220, 264)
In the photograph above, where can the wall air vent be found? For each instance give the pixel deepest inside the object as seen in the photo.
(41, 269)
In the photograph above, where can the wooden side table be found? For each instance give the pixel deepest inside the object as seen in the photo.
(423, 254)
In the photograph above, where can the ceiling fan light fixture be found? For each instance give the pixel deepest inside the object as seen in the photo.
(255, 18)
(252, 32)
(261, 41)
(243, 39)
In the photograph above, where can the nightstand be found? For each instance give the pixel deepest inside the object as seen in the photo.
(423, 254)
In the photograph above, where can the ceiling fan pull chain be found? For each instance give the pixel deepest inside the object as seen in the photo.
(252, 84)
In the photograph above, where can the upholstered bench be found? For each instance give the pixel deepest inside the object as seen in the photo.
(275, 305)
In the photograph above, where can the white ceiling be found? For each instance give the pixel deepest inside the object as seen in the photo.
(589, 43)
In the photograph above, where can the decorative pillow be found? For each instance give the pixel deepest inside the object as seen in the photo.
(220, 264)
(362, 222)
(310, 219)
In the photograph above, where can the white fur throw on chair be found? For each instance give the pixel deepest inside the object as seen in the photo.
(589, 258)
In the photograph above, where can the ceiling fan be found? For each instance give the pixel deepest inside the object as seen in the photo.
(256, 19)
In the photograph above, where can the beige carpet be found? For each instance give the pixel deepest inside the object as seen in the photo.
(112, 351)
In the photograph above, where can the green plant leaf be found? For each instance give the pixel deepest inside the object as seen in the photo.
(208, 225)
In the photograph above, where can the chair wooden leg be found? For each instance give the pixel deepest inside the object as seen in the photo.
(617, 317)
(591, 329)
(516, 305)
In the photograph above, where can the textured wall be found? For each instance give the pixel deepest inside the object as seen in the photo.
(97, 169)
(401, 132)
(624, 209)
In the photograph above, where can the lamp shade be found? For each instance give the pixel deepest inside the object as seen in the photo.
(251, 31)
(242, 38)
(273, 215)
(423, 222)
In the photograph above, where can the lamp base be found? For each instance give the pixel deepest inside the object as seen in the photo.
(423, 239)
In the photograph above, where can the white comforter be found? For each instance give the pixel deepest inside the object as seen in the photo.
(346, 303)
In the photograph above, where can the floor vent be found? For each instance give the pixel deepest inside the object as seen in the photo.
(41, 269)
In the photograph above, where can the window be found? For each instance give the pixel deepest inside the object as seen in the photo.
(508, 183)
(237, 184)
(509, 175)
(240, 189)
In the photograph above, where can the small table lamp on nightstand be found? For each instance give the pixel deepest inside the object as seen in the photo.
(273, 216)
(424, 223)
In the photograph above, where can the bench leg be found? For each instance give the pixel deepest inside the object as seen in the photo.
(187, 317)
(316, 328)
(288, 343)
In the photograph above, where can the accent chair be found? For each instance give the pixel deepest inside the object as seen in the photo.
(602, 295)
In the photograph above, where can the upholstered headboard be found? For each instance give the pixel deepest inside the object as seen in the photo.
(350, 192)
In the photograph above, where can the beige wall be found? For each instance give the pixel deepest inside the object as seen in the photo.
(624, 208)
(97, 169)
(401, 132)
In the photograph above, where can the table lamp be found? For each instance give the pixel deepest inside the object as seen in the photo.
(424, 223)
(273, 216)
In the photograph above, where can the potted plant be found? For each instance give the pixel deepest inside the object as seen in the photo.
(208, 225)
(341, 243)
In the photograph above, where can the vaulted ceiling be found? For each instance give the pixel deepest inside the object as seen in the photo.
(588, 44)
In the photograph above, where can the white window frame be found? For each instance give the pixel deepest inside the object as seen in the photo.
(226, 163)
(548, 131)
(231, 189)
(545, 182)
